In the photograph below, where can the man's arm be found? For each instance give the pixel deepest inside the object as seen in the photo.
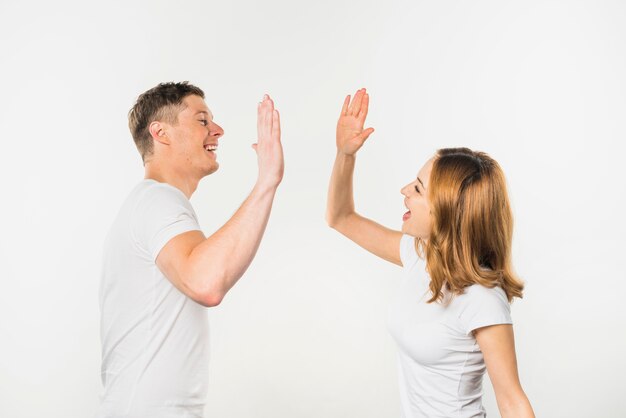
(206, 268)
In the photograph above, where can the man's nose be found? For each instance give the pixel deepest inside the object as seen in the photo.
(216, 130)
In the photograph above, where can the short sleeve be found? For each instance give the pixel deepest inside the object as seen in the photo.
(408, 253)
(162, 213)
(484, 307)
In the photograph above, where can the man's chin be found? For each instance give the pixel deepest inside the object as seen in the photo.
(212, 169)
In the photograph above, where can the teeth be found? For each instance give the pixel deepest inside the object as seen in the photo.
(210, 147)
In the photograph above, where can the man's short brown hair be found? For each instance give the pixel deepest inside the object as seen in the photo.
(162, 103)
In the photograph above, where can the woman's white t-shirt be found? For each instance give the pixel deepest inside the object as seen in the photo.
(441, 366)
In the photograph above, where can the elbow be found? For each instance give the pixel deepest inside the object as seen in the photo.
(515, 404)
(213, 294)
(331, 220)
(341, 224)
(210, 300)
(208, 292)
(334, 220)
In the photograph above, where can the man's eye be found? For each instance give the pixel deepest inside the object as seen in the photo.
(204, 122)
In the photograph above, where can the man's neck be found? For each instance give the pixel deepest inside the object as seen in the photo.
(179, 179)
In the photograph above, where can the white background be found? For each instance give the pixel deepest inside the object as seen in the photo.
(538, 84)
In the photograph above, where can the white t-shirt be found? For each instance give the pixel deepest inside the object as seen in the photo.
(441, 366)
(155, 340)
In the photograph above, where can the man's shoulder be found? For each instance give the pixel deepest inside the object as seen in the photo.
(152, 191)
(149, 198)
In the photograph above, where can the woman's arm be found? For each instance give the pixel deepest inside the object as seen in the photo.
(498, 346)
(340, 213)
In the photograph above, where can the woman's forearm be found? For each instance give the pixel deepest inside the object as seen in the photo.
(517, 406)
(340, 192)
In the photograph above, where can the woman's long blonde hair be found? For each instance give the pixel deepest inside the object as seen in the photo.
(472, 225)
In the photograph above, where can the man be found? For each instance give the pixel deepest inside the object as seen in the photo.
(159, 270)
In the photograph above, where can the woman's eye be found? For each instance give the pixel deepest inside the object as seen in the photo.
(416, 189)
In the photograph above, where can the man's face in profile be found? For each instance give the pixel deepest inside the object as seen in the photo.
(194, 138)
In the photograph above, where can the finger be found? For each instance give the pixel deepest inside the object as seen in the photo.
(262, 121)
(267, 119)
(276, 125)
(258, 118)
(365, 103)
(344, 108)
(354, 99)
(356, 102)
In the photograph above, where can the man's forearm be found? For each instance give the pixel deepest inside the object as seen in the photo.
(220, 260)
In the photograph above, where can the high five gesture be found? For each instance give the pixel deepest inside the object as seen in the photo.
(340, 213)
(350, 133)
(269, 148)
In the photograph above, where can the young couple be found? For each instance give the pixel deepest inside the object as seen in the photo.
(451, 317)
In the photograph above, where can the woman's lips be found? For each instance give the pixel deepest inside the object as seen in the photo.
(406, 216)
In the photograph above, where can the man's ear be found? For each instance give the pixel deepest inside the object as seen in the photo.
(158, 132)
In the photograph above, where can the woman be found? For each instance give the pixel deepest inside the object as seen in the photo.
(451, 317)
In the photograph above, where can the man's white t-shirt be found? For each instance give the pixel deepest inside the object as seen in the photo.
(441, 366)
(155, 340)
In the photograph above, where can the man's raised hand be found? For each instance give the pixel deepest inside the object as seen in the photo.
(268, 147)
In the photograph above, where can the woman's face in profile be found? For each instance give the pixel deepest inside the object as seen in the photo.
(417, 220)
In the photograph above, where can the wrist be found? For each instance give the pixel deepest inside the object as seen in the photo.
(265, 186)
(345, 155)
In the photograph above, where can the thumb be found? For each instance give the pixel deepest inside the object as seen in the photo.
(365, 134)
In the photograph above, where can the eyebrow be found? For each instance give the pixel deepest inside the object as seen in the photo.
(420, 180)
(206, 113)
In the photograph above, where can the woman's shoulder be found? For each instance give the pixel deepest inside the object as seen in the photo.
(481, 306)
(479, 297)
(479, 291)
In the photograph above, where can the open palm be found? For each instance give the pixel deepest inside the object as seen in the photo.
(350, 132)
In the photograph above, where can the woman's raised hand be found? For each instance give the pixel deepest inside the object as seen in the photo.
(350, 132)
